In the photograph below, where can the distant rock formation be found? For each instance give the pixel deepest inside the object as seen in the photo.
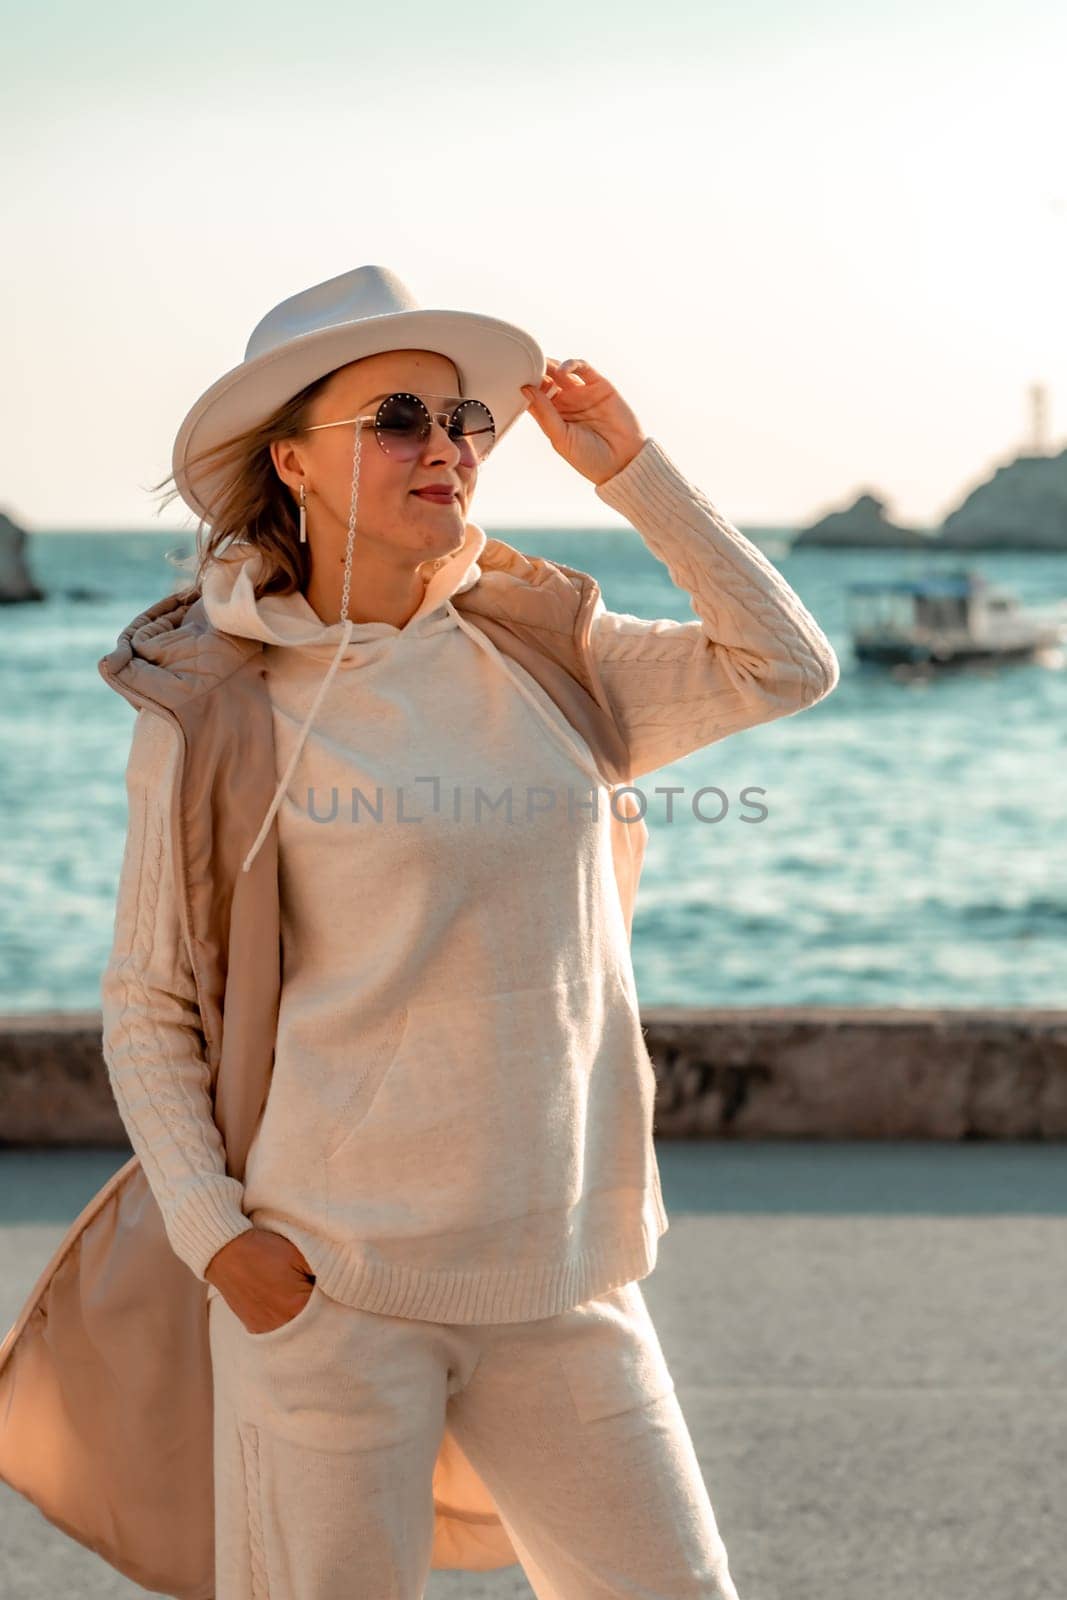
(863, 524)
(15, 580)
(1023, 506)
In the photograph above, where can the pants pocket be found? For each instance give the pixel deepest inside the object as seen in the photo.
(215, 1297)
(293, 1323)
(611, 1356)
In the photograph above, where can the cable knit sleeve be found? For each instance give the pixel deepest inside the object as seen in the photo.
(754, 655)
(152, 1040)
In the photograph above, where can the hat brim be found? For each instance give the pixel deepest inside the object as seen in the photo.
(493, 359)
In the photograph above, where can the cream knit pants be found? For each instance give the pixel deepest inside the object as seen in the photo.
(327, 1429)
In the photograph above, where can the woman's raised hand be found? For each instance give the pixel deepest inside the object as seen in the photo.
(585, 418)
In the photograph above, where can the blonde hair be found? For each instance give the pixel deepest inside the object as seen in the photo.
(256, 507)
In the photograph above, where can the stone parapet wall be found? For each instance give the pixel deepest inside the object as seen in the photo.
(763, 1073)
(830, 1072)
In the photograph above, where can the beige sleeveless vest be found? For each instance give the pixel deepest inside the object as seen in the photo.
(105, 1378)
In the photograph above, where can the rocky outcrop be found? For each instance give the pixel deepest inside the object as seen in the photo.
(863, 524)
(1023, 506)
(15, 580)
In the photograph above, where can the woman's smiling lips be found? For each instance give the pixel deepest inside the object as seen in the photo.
(442, 497)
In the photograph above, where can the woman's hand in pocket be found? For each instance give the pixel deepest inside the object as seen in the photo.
(263, 1278)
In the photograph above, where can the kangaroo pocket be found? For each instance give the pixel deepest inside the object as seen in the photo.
(327, 1071)
(375, 1057)
(482, 1111)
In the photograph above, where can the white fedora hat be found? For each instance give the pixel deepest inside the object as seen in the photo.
(359, 313)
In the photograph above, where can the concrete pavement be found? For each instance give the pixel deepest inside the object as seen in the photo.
(867, 1340)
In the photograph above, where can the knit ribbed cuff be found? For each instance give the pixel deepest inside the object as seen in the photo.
(209, 1216)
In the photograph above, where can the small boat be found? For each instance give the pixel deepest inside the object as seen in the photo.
(947, 619)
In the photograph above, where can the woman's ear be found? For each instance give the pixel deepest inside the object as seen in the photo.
(287, 464)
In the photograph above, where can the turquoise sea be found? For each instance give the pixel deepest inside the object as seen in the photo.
(913, 850)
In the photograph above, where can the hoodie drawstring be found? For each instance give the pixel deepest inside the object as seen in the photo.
(580, 754)
(283, 781)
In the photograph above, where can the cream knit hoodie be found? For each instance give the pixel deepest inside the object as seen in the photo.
(459, 1123)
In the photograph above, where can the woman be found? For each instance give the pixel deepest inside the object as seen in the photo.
(451, 1193)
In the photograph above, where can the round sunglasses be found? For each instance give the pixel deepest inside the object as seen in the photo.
(402, 425)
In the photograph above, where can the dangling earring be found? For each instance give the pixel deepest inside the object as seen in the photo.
(303, 517)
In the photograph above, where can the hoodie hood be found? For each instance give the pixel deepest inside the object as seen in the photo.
(231, 604)
(229, 599)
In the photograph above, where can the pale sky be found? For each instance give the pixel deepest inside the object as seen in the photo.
(818, 249)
